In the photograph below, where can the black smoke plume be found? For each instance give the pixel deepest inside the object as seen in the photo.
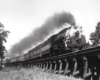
(51, 24)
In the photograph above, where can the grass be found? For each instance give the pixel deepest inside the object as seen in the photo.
(31, 74)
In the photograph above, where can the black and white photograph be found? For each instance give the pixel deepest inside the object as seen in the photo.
(49, 40)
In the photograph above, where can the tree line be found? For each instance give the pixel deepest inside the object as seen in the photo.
(3, 39)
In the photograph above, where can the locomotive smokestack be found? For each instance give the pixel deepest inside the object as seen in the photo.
(51, 24)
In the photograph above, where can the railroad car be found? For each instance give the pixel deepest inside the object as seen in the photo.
(45, 48)
(13, 60)
(21, 58)
(27, 56)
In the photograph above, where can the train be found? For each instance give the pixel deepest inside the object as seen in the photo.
(57, 44)
(66, 52)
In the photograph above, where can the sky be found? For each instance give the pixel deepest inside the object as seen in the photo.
(21, 17)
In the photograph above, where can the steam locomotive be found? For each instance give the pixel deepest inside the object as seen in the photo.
(60, 43)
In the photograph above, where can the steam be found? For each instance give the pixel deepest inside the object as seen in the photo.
(51, 24)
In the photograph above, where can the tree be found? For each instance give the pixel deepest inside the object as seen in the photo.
(95, 36)
(3, 36)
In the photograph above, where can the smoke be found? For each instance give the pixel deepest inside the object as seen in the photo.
(51, 24)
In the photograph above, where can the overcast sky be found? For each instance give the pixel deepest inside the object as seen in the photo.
(20, 17)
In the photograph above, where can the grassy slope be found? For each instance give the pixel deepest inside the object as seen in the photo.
(31, 74)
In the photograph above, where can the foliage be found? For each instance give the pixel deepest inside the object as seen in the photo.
(3, 36)
(95, 36)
